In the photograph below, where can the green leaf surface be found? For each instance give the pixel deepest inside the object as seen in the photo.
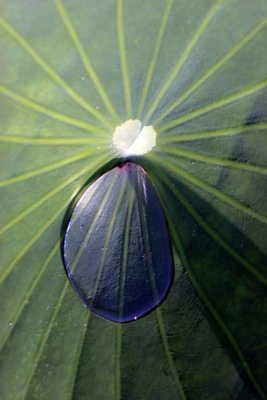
(71, 71)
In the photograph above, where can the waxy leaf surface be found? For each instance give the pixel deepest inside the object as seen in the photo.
(71, 72)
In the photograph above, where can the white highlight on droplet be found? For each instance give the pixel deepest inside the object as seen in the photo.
(131, 139)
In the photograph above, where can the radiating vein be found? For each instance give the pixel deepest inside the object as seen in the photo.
(44, 65)
(50, 113)
(118, 340)
(145, 235)
(164, 21)
(102, 264)
(126, 236)
(85, 59)
(107, 238)
(53, 140)
(75, 367)
(191, 155)
(184, 57)
(260, 347)
(29, 292)
(213, 234)
(169, 357)
(214, 68)
(101, 267)
(91, 228)
(46, 168)
(195, 181)
(123, 57)
(43, 342)
(38, 203)
(216, 104)
(210, 134)
(215, 314)
(6, 271)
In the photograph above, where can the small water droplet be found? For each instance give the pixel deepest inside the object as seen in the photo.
(10, 324)
(98, 147)
(83, 78)
(97, 107)
(135, 318)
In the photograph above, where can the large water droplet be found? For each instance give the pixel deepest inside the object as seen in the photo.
(117, 251)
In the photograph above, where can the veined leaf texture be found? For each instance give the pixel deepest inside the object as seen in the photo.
(73, 71)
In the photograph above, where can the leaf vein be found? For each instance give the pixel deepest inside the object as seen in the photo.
(184, 137)
(184, 57)
(50, 113)
(215, 314)
(46, 168)
(213, 106)
(85, 59)
(123, 58)
(214, 68)
(192, 179)
(8, 269)
(52, 140)
(44, 65)
(214, 235)
(44, 340)
(216, 160)
(29, 293)
(150, 72)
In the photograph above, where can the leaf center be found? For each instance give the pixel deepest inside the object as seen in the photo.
(131, 138)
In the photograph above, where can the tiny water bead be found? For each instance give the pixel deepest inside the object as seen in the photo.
(116, 250)
(131, 139)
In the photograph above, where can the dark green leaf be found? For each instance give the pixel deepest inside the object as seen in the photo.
(71, 71)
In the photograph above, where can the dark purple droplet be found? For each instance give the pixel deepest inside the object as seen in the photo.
(117, 250)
